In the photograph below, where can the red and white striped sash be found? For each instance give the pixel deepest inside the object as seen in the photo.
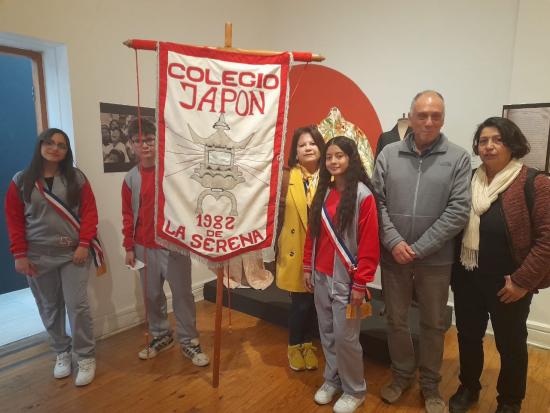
(345, 255)
(65, 212)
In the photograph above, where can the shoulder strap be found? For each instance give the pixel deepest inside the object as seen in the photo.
(282, 205)
(529, 188)
(284, 183)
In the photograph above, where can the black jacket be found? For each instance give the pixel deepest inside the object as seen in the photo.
(389, 137)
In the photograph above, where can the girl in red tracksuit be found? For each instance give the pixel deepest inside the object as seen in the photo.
(344, 195)
(51, 253)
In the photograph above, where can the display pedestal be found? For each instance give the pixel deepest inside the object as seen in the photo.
(272, 305)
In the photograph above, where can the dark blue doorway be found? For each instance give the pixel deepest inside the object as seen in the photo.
(19, 131)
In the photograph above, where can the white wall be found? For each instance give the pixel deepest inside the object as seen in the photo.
(393, 49)
(478, 54)
(530, 83)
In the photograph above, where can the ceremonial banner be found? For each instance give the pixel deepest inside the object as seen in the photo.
(221, 124)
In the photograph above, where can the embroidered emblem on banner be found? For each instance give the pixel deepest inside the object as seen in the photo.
(218, 172)
(221, 126)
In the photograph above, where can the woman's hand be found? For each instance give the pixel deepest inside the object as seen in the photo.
(357, 297)
(80, 255)
(511, 292)
(25, 267)
(130, 258)
(307, 281)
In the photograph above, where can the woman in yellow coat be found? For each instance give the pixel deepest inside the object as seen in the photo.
(299, 185)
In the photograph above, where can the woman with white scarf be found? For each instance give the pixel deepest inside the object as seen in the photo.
(504, 256)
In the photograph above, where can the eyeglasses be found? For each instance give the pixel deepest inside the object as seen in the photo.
(148, 141)
(52, 144)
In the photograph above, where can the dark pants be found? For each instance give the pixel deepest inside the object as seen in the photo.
(302, 318)
(475, 299)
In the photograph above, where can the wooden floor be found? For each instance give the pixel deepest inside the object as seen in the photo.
(254, 377)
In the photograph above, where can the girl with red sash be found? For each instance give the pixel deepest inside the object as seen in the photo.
(52, 222)
(341, 255)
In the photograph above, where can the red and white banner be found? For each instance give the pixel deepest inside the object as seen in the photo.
(221, 123)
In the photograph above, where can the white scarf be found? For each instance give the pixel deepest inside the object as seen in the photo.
(483, 195)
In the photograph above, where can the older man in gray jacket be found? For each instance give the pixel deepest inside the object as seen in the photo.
(422, 184)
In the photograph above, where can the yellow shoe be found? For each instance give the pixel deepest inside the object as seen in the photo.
(295, 358)
(310, 359)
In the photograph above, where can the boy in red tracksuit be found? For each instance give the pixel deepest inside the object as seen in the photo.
(138, 213)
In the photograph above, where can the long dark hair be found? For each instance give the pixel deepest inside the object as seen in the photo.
(354, 174)
(315, 134)
(36, 169)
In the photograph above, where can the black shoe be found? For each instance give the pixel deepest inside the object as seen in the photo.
(157, 345)
(508, 408)
(462, 400)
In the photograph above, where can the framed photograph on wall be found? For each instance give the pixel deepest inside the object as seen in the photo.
(118, 153)
(534, 121)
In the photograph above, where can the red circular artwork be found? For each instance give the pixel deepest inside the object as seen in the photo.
(315, 89)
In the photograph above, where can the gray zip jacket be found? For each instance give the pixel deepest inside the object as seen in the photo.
(423, 200)
(133, 180)
(43, 225)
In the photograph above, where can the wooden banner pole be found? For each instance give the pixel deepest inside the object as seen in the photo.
(218, 328)
(228, 44)
(140, 44)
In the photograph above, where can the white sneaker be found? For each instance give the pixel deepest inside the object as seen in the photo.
(194, 352)
(86, 372)
(62, 367)
(347, 403)
(325, 393)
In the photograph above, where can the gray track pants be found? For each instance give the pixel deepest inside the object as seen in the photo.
(339, 336)
(176, 269)
(62, 286)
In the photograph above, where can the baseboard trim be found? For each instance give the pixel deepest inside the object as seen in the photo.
(106, 326)
(538, 333)
(23, 344)
(536, 337)
(111, 324)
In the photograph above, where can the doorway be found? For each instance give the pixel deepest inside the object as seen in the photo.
(28, 67)
(21, 121)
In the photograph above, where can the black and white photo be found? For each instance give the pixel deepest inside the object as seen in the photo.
(118, 154)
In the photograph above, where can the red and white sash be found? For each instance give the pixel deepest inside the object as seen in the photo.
(345, 255)
(65, 212)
